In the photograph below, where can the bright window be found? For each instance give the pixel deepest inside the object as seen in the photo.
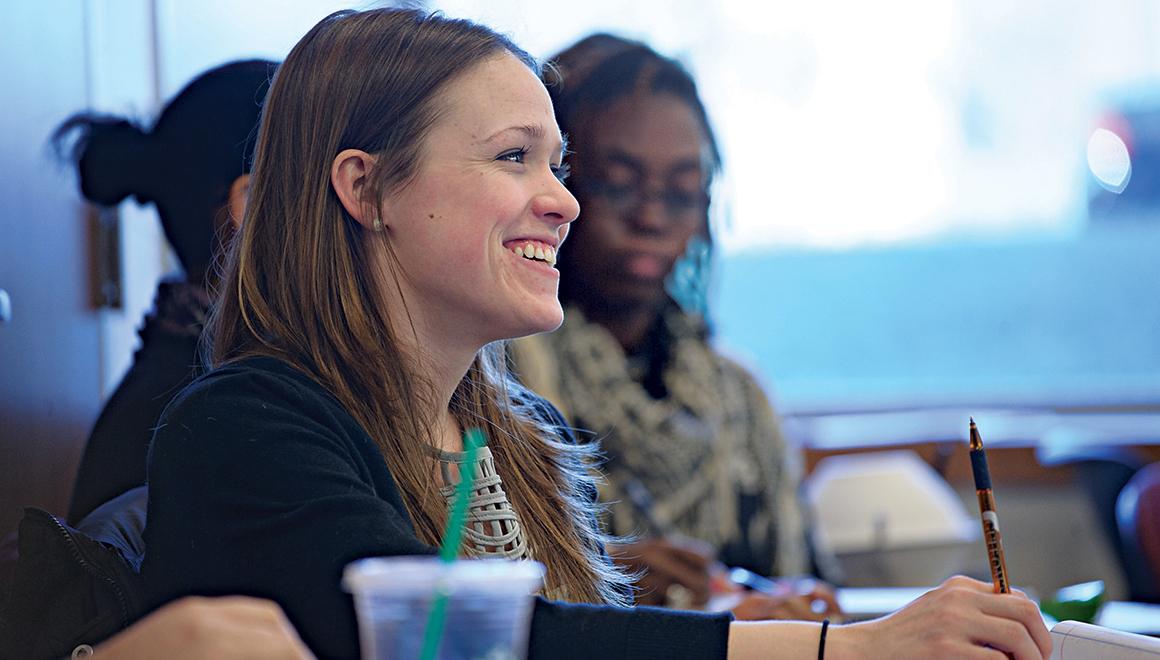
(904, 212)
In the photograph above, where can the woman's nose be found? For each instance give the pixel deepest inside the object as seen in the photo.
(556, 204)
(649, 214)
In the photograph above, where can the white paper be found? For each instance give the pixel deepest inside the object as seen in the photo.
(1072, 640)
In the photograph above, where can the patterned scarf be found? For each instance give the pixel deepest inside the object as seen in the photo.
(709, 455)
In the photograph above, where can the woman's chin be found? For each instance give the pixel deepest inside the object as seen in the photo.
(547, 319)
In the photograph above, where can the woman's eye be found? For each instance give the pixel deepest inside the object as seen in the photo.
(562, 171)
(514, 156)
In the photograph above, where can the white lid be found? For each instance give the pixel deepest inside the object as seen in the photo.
(422, 573)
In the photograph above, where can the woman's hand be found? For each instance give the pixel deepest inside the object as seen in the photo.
(819, 593)
(231, 628)
(683, 573)
(962, 618)
(793, 599)
(759, 606)
(665, 563)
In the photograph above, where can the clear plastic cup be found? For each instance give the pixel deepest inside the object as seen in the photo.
(488, 606)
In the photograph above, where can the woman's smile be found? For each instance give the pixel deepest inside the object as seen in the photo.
(536, 253)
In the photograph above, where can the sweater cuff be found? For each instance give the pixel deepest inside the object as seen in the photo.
(656, 632)
(562, 631)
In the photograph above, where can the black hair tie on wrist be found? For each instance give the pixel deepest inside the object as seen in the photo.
(822, 640)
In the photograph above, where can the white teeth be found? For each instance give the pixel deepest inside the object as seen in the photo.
(530, 250)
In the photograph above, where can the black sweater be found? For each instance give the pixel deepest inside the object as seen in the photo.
(262, 484)
(114, 458)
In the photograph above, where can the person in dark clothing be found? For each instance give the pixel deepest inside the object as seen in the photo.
(404, 219)
(193, 164)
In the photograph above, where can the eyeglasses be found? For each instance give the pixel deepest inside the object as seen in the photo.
(679, 205)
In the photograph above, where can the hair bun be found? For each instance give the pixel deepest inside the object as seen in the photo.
(112, 156)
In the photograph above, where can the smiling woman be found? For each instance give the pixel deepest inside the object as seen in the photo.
(404, 161)
(488, 185)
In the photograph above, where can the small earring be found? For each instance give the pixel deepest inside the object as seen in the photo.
(377, 223)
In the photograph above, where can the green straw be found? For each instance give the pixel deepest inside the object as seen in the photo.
(452, 538)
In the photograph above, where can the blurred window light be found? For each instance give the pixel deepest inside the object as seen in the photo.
(914, 206)
(907, 209)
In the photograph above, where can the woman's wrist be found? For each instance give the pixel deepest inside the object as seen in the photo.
(847, 641)
(794, 640)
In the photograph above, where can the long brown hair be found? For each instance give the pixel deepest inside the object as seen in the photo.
(298, 283)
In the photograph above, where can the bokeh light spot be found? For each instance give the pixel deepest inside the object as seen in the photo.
(1109, 160)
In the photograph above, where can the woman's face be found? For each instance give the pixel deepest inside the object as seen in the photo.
(641, 173)
(484, 199)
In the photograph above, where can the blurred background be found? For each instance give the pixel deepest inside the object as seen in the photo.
(929, 209)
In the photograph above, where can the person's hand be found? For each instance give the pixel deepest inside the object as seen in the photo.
(760, 606)
(668, 566)
(821, 598)
(234, 627)
(962, 618)
(792, 599)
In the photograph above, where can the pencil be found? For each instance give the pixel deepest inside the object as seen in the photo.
(990, 517)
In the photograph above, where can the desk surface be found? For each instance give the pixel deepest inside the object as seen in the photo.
(867, 603)
(1032, 427)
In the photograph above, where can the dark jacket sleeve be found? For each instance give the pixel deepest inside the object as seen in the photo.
(567, 631)
(259, 486)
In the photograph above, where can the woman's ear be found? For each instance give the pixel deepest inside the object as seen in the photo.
(350, 177)
(239, 195)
